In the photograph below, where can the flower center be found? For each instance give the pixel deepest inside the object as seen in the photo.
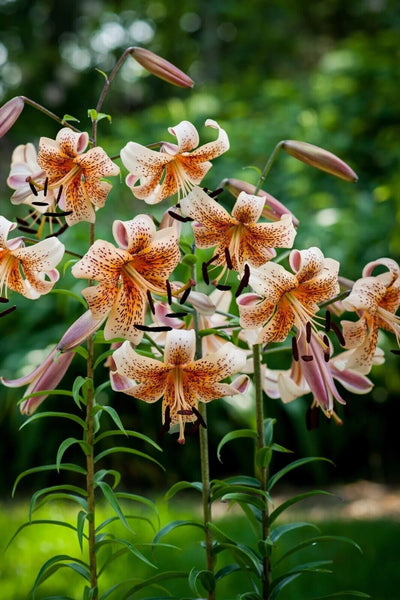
(183, 181)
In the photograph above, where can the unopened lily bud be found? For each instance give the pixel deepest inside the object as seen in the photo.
(320, 159)
(161, 68)
(273, 209)
(9, 113)
(79, 332)
(202, 303)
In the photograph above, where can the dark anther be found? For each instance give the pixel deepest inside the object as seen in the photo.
(222, 287)
(199, 417)
(40, 203)
(8, 311)
(3, 300)
(27, 229)
(150, 299)
(167, 421)
(244, 281)
(169, 292)
(46, 183)
(59, 194)
(176, 315)
(185, 295)
(22, 221)
(327, 351)
(175, 215)
(59, 232)
(295, 350)
(205, 273)
(215, 193)
(185, 412)
(312, 418)
(194, 428)
(338, 333)
(397, 352)
(34, 190)
(212, 259)
(228, 259)
(308, 332)
(157, 328)
(327, 321)
(307, 357)
(60, 214)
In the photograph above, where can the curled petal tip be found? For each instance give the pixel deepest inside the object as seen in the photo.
(9, 113)
(320, 159)
(161, 68)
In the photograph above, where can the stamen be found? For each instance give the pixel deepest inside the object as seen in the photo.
(185, 295)
(397, 352)
(8, 311)
(3, 300)
(205, 273)
(167, 421)
(244, 281)
(177, 315)
(307, 357)
(37, 203)
(27, 229)
(46, 183)
(222, 287)
(150, 299)
(194, 428)
(184, 412)
(59, 194)
(308, 332)
(228, 259)
(327, 353)
(215, 193)
(21, 221)
(199, 417)
(328, 321)
(179, 217)
(295, 350)
(59, 232)
(169, 292)
(60, 214)
(148, 328)
(34, 190)
(338, 333)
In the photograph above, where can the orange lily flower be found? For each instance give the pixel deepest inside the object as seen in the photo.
(79, 173)
(180, 380)
(283, 299)
(25, 270)
(376, 300)
(239, 236)
(142, 263)
(176, 168)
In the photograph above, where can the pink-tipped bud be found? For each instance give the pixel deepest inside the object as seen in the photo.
(82, 329)
(273, 209)
(9, 113)
(320, 159)
(161, 68)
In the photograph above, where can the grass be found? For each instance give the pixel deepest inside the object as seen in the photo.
(375, 572)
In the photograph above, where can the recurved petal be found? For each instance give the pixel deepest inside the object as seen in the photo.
(180, 347)
(41, 257)
(279, 325)
(102, 262)
(351, 380)
(254, 311)
(206, 393)
(96, 163)
(322, 287)
(70, 142)
(366, 294)
(52, 160)
(258, 243)
(77, 201)
(354, 332)
(128, 310)
(100, 299)
(142, 161)
(186, 135)
(134, 235)
(212, 149)
(306, 263)
(156, 262)
(205, 210)
(248, 208)
(272, 281)
(213, 367)
(144, 370)
(5, 227)
(194, 168)
(389, 263)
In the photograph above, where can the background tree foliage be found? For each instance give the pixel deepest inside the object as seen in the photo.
(325, 72)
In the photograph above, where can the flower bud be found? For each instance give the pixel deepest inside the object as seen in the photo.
(273, 209)
(83, 328)
(161, 68)
(9, 113)
(320, 159)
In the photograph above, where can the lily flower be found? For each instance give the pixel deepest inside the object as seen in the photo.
(49, 373)
(376, 300)
(180, 380)
(239, 239)
(283, 299)
(176, 168)
(313, 371)
(80, 173)
(24, 270)
(141, 264)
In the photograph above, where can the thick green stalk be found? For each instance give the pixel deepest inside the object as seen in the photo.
(262, 472)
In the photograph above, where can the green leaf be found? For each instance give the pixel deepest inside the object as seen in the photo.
(40, 522)
(80, 524)
(66, 444)
(131, 549)
(263, 456)
(114, 416)
(282, 584)
(129, 451)
(234, 435)
(67, 118)
(69, 293)
(278, 532)
(298, 498)
(314, 541)
(61, 415)
(243, 554)
(250, 596)
(183, 485)
(150, 581)
(269, 431)
(48, 492)
(111, 498)
(99, 476)
(102, 73)
(173, 525)
(237, 488)
(227, 570)
(62, 467)
(140, 499)
(57, 562)
(352, 593)
(76, 388)
(206, 579)
(294, 465)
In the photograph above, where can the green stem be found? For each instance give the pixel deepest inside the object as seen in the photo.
(262, 472)
(268, 166)
(49, 113)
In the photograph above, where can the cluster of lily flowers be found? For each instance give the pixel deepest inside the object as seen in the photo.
(132, 291)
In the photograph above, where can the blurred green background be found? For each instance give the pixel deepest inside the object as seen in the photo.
(326, 72)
